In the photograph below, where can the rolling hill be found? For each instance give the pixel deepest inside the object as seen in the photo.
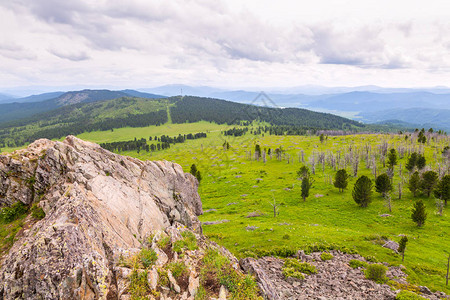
(140, 112)
(29, 106)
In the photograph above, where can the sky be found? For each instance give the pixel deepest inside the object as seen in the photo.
(227, 44)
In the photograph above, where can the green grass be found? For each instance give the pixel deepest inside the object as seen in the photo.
(327, 217)
(8, 233)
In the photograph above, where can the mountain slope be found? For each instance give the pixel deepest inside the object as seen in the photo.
(34, 98)
(194, 109)
(78, 118)
(29, 106)
(423, 117)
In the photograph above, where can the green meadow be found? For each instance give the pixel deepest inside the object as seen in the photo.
(235, 184)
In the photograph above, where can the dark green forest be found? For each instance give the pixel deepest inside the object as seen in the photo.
(193, 109)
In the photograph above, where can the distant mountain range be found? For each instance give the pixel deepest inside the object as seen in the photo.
(370, 104)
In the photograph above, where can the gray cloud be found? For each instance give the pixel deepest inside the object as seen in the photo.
(199, 36)
(79, 56)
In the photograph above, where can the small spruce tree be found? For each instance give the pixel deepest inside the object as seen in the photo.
(305, 187)
(402, 246)
(193, 170)
(414, 183)
(341, 180)
(421, 162)
(383, 184)
(428, 182)
(303, 172)
(198, 176)
(442, 190)
(412, 162)
(362, 191)
(419, 215)
(392, 159)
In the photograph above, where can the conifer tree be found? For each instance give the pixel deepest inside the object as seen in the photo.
(392, 159)
(306, 185)
(362, 191)
(412, 162)
(383, 184)
(414, 183)
(442, 190)
(193, 170)
(402, 246)
(428, 182)
(419, 215)
(341, 180)
(421, 162)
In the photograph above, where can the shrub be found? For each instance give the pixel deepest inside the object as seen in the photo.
(290, 272)
(326, 256)
(299, 266)
(178, 269)
(356, 263)
(37, 212)
(376, 272)
(163, 242)
(12, 213)
(201, 294)
(371, 258)
(400, 286)
(217, 271)
(148, 257)
(138, 285)
(407, 295)
(189, 242)
(163, 277)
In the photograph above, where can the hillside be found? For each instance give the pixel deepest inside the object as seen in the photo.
(99, 225)
(194, 109)
(422, 117)
(85, 117)
(32, 105)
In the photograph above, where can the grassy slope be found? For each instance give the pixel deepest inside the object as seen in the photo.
(333, 218)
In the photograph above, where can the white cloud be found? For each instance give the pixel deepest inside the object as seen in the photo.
(224, 43)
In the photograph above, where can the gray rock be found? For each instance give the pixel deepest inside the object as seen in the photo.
(425, 290)
(215, 222)
(251, 228)
(96, 203)
(391, 245)
(173, 283)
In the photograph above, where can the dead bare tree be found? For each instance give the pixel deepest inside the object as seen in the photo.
(275, 206)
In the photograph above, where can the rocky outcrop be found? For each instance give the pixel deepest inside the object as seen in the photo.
(97, 205)
(335, 279)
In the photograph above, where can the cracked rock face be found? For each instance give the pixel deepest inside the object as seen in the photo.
(97, 204)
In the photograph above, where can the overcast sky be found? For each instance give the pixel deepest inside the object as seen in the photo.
(234, 44)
